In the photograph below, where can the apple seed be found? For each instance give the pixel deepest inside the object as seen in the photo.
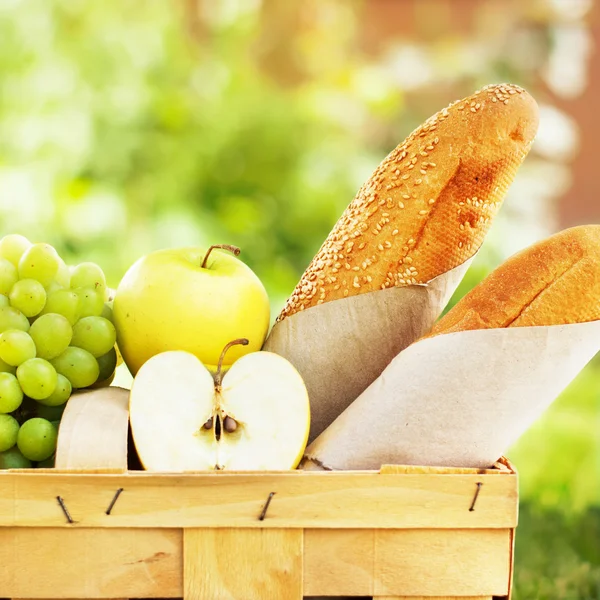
(208, 424)
(229, 425)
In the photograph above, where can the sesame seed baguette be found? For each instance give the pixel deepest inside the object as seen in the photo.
(428, 205)
(553, 282)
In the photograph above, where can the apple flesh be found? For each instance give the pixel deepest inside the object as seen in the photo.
(256, 418)
(168, 300)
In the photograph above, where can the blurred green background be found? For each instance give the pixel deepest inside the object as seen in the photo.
(131, 126)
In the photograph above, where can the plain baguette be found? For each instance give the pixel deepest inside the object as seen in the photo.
(427, 207)
(553, 282)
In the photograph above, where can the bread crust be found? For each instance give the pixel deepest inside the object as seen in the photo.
(428, 205)
(553, 282)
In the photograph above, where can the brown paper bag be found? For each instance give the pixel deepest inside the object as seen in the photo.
(341, 346)
(456, 400)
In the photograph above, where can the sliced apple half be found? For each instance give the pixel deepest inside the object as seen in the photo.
(255, 417)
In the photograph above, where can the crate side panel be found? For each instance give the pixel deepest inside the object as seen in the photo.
(91, 563)
(443, 562)
(338, 562)
(254, 564)
(302, 500)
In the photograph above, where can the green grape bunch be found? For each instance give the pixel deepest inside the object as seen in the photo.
(56, 336)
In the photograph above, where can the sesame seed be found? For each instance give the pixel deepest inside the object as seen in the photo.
(369, 278)
(418, 182)
(432, 201)
(336, 287)
(388, 244)
(347, 266)
(395, 232)
(406, 196)
(405, 176)
(362, 245)
(401, 204)
(380, 246)
(422, 212)
(423, 172)
(345, 293)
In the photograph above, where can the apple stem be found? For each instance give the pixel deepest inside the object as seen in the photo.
(229, 247)
(218, 375)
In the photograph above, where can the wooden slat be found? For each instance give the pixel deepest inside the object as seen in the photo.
(433, 598)
(133, 563)
(303, 500)
(253, 564)
(339, 562)
(91, 563)
(442, 562)
(460, 563)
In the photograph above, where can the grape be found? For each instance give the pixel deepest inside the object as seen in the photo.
(11, 318)
(63, 276)
(37, 439)
(9, 427)
(4, 300)
(28, 296)
(91, 302)
(16, 347)
(78, 366)
(6, 368)
(40, 262)
(13, 246)
(65, 303)
(48, 463)
(51, 413)
(61, 393)
(11, 394)
(53, 287)
(107, 363)
(8, 276)
(89, 275)
(94, 334)
(107, 312)
(13, 459)
(52, 335)
(37, 377)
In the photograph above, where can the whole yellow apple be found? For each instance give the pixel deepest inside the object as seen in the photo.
(189, 299)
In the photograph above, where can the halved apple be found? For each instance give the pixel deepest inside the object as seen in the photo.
(256, 417)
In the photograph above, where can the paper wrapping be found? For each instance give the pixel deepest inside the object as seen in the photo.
(340, 347)
(456, 400)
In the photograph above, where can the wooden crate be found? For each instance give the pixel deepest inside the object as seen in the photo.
(402, 532)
